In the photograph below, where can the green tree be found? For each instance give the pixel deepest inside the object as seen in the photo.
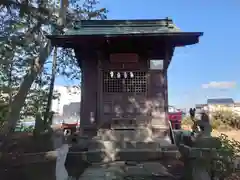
(32, 22)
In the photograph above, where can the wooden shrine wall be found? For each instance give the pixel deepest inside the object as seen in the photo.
(92, 103)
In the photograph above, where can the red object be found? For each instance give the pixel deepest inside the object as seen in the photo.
(72, 128)
(175, 118)
(69, 126)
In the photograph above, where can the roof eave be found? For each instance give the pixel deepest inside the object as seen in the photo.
(177, 38)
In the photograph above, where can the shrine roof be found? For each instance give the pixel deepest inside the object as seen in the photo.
(134, 28)
(119, 27)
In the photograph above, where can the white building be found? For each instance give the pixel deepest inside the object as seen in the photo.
(223, 104)
(67, 95)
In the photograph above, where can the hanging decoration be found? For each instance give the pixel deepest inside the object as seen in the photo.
(125, 75)
(118, 75)
(131, 74)
(111, 74)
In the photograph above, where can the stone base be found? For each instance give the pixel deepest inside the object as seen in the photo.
(113, 145)
(120, 170)
(143, 134)
(99, 156)
(127, 145)
(108, 151)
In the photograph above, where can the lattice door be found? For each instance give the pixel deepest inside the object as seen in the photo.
(124, 82)
(123, 91)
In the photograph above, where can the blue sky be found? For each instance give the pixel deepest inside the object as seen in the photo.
(215, 59)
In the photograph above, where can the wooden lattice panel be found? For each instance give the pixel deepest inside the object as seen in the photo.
(124, 82)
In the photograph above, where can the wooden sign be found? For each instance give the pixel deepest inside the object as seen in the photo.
(124, 57)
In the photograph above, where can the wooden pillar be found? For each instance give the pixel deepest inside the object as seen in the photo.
(99, 107)
(167, 60)
(89, 83)
(159, 92)
(157, 96)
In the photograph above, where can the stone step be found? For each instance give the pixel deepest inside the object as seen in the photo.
(118, 144)
(119, 170)
(139, 134)
(98, 156)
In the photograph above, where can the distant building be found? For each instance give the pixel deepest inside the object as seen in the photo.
(220, 104)
(67, 95)
(200, 106)
(237, 108)
(172, 109)
(72, 109)
(224, 104)
(222, 101)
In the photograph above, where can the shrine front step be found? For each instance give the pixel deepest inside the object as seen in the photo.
(127, 155)
(138, 134)
(121, 144)
(119, 170)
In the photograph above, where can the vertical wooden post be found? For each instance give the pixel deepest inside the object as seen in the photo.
(99, 107)
(165, 65)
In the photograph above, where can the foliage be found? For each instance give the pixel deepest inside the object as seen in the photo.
(23, 128)
(24, 50)
(187, 121)
(3, 111)
(221, 120)
(227, 118)
(228, 153)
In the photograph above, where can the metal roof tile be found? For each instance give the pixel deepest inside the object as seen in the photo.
(220, 101)
(109, 27)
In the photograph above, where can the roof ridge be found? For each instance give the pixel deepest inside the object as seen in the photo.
(124, 23)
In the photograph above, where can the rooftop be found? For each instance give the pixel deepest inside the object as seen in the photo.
(200, 106)
(221, 101)
(86, 30)
(118, 27)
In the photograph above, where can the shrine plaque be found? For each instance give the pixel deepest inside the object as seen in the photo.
(124, 57)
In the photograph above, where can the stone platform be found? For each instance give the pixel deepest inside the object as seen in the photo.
(125, 154)
(122, 170)
(126, 145)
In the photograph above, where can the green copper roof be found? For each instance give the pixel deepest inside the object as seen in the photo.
(121, 27)
(95, 32)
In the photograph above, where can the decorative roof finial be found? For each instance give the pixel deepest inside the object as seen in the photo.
(167, 21)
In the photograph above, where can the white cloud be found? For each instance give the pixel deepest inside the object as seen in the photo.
(220, 85)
